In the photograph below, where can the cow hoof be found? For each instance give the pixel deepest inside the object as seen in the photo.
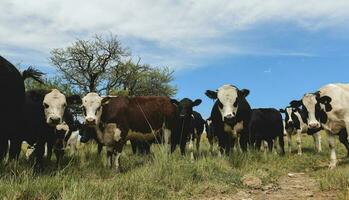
(332, 166)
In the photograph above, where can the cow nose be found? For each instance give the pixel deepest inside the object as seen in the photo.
(90, 120)
(314, 125)
(228, 118)
(55, 120)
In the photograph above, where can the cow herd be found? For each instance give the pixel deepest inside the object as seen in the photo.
(43, 118)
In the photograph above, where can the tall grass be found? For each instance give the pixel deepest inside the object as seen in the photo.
(164, 176)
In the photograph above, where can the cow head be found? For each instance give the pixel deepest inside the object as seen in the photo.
(185, 106)
(228, 99)
(315, 107)
(54, 106)
(92, 105)
(291, 120)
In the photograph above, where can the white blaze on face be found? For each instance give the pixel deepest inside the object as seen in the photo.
(92, 104)
(309, 101)
(54, 105)
(289, 113)
(227, 95)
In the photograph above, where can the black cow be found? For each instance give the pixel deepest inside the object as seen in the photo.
(12, 88)
(36, 128)
(266, 124)
(190, 125)
(210, 134)
(233, 118)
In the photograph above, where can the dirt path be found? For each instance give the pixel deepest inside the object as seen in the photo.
(293, 186)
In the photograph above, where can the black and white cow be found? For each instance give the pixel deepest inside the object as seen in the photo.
(12, 99)
(295, 123)
(43, 111)
(328, 109)
(189, 127)
(232, 116)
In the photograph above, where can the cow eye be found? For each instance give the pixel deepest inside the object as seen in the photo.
(235, 104)
(46, 105)
(98, 110)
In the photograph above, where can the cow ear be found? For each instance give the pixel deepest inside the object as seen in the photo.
(196, 102)
(211, 94)
(74, 99)
(245, 92)
(282, 110)
(174, 101)
(296, 103)
(326, 100)
(105, 100)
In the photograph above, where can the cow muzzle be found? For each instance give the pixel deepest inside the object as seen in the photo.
(314, 125)
(89, 121)
(54, 121)
(229, 118)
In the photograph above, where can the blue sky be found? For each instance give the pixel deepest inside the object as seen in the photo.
(277, 49)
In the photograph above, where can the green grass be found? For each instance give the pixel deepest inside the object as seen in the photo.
(163, 176)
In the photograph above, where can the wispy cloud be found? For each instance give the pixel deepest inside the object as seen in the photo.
(186, 30)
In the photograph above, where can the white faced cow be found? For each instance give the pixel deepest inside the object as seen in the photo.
(328, 109)
(295, 123)
(54, 106)
(119, 119)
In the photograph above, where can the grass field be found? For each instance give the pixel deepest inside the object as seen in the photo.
(163, 176)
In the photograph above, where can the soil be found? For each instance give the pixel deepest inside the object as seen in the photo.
(293, 186)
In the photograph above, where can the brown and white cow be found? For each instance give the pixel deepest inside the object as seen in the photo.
(328, 109)
(117, 119)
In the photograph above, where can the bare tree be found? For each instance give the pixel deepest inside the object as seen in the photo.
(88, 64)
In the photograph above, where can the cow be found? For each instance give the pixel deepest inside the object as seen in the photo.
(266, 124)
(232, 119)
(190, 126)
(210, 133)
(43, 111)
(12, 88)
(230, 116)
(327, 108)
(118, 119)
(295, 123)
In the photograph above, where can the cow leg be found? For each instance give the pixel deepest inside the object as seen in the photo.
(3, 148)
(258, 144)
(117, 162)
(333, 157)
(270, 145)
(198, 139)
(343, 139)
(244, 140)
(182, 146)
(167, 139)
(282, 144)
(59, 156)
(39, 154)
(110, 153)
(99, 149)
(289, 142)
(191, 147)
(15, 149)
(299, 142)
(134, 146)
(48, 150)
(317, 141)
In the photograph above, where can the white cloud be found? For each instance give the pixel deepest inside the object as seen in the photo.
(189, 28)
